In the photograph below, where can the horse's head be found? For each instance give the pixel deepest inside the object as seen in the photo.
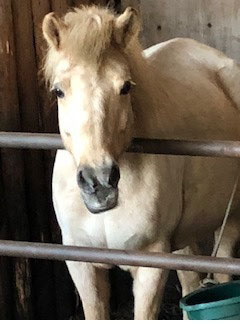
(87, 68)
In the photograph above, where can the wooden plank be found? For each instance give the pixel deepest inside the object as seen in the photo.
(77, 3)
(26, 65)
(44, 273)
(62, 290)
(61, 6)
(35, 185)
(220, 25)
(47, 107)
(213, 22)
(6, 296)
(12, 167)
(100, 2)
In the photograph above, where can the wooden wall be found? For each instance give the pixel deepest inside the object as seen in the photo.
(32, 289)
(213, 22)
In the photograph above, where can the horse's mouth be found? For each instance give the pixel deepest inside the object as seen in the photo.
(97, 204)
(101, 210)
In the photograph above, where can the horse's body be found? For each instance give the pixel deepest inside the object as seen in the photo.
(183, 90)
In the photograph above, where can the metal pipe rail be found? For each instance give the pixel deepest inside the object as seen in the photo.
(120, 257)
(139, 145)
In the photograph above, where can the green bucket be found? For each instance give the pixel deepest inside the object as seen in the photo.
(220, 302)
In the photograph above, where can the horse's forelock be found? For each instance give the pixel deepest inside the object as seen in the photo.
(88, 35)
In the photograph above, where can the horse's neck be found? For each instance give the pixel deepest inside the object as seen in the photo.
(150, 120)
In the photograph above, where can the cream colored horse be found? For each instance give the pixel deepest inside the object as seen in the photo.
(161, 203)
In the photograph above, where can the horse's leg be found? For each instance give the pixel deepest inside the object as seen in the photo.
(148, 288)
(189, 280)
(226, 248)
(93, 287)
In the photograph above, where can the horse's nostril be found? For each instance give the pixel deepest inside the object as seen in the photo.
(114, 176)
(93, 181)
(80, 177)
(87, 181)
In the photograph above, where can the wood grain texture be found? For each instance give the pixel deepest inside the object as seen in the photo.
(77, 3)
(35, 186)
(61, 6)
(213, 22)
(12, 166)
(47, 107)
(48, 117)
(6, 289)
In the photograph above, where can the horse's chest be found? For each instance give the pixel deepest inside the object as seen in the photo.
(130, 235)
(106, 232)
(147, 199)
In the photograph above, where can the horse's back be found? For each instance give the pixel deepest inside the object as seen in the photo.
(184, 50)
(198, 85)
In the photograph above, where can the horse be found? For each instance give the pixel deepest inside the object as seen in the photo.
(109, 90)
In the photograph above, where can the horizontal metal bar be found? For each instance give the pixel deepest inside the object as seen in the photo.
(120, 257)
(139, 145)
(38, 141)
(187, 147)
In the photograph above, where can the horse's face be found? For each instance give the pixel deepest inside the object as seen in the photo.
(95, 119)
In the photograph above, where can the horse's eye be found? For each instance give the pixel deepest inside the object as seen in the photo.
(126, 88)
(59, 93)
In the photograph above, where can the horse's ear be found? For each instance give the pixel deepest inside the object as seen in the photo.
(127, 27)
(52, 28)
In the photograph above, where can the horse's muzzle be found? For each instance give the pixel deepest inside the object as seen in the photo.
(97, 205)
(99, 187)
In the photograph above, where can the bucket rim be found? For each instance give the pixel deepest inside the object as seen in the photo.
(234, 300)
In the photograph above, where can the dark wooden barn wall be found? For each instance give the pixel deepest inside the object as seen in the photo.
(29, 289)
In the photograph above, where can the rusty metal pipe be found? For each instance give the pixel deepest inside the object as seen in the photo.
(38, 141)
(187, 147)
(120, 257)
(148, 146)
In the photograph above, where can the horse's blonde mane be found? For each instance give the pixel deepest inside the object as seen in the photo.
(88, 34)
